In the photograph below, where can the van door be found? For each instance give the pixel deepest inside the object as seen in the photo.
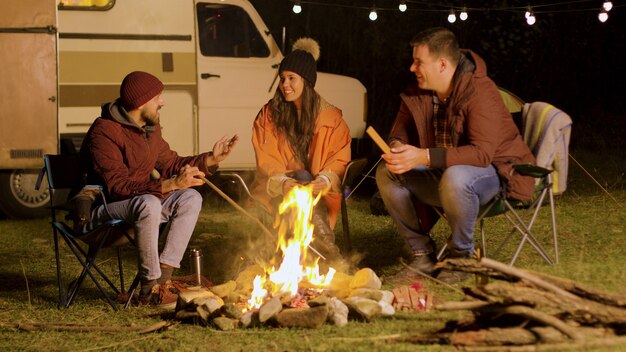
(28, 101)
(236, 69)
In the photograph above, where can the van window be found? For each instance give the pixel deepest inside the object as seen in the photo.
(98, 5)
(228, 31)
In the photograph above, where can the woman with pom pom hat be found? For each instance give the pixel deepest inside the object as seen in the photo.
(299, 137)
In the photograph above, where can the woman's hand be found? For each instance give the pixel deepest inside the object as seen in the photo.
(320, 185)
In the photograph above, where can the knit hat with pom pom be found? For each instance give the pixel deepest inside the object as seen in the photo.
(302, 59)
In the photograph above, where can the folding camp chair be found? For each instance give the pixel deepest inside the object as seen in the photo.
(353, 170)
(64, 175)
(546, 132)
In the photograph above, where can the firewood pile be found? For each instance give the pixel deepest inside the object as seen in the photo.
(224, 306)
(514, 309)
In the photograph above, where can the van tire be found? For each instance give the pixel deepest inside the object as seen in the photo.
(18, 197)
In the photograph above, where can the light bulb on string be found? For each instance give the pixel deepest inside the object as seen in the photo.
(607, 6)
(528, 13)
(451, 16)
(297, 8)
(463, 14)
(531, 19)
(603, 16)
(373, 15)
(402, 6)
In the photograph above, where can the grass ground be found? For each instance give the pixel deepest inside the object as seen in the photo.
(592, 240)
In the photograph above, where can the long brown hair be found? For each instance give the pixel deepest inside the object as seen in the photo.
(298, 131)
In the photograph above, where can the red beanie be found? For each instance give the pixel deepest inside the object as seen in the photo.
(138, 88)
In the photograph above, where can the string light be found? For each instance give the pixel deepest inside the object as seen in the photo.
(529, 14)
(463, 14)
(373, 15)
(451, 16)
(402, 6)
(297, 8)
(603, 16)
(530, 17)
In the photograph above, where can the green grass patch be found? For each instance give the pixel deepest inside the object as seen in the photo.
(592, 244)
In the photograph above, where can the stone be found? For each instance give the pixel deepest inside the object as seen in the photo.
(249, 319)
(373, 294)
(337, 312)
(231, 311)
(234, 297)
(211, 304)
(388, 296)
(185, 315)
(269, 309)
(340, 281)
(319, 301)
(364, 308)
(365, 278)
(225, 324)
(310, 318)
(387, 309)
(185, 297)
(224, 289)
(245, 279)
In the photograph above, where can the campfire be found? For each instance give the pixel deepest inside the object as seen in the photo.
(292, 290)
(298, 269)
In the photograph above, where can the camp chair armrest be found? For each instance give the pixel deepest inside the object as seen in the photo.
(531, 170)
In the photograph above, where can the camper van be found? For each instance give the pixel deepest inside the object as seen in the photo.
(61, 59)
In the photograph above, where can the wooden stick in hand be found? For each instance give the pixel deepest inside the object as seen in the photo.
(378, 140)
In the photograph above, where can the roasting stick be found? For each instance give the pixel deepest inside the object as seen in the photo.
(378, 140)
(254, 218)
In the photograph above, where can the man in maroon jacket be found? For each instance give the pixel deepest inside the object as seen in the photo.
(452, 144)
(147, 182)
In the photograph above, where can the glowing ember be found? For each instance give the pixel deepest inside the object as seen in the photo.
(295, 234)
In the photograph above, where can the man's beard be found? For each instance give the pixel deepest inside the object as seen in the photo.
(150, 119)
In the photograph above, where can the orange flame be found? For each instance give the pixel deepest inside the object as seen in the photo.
(295, 234)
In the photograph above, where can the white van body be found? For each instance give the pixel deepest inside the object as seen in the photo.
(217, 59)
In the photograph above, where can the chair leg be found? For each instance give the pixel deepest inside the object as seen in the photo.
(131, 290)
(553, 216)
(87, 263)
(483, 244)
(347, 245)
(58, 262)
(121, 269)
(526, 236)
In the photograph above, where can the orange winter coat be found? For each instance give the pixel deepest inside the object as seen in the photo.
(329, 154)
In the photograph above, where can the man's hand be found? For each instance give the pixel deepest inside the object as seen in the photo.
(187, 177)
(222, 149)
(404, 157)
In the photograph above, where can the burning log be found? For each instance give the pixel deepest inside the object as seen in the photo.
(529, 308)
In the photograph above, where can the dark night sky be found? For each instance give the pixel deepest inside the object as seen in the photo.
(568, 58)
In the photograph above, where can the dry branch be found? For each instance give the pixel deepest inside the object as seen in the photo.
(75, 327)
(507, 269)
(539, 302)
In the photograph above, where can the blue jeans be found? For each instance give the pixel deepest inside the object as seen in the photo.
(459, 190)
(146, 213)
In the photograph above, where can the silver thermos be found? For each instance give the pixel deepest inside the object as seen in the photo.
(195, 256)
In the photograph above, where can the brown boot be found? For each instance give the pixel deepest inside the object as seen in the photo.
(324, 239)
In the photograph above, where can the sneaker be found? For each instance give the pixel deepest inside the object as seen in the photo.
(162, 296)
(420, 264)
(452, 277)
